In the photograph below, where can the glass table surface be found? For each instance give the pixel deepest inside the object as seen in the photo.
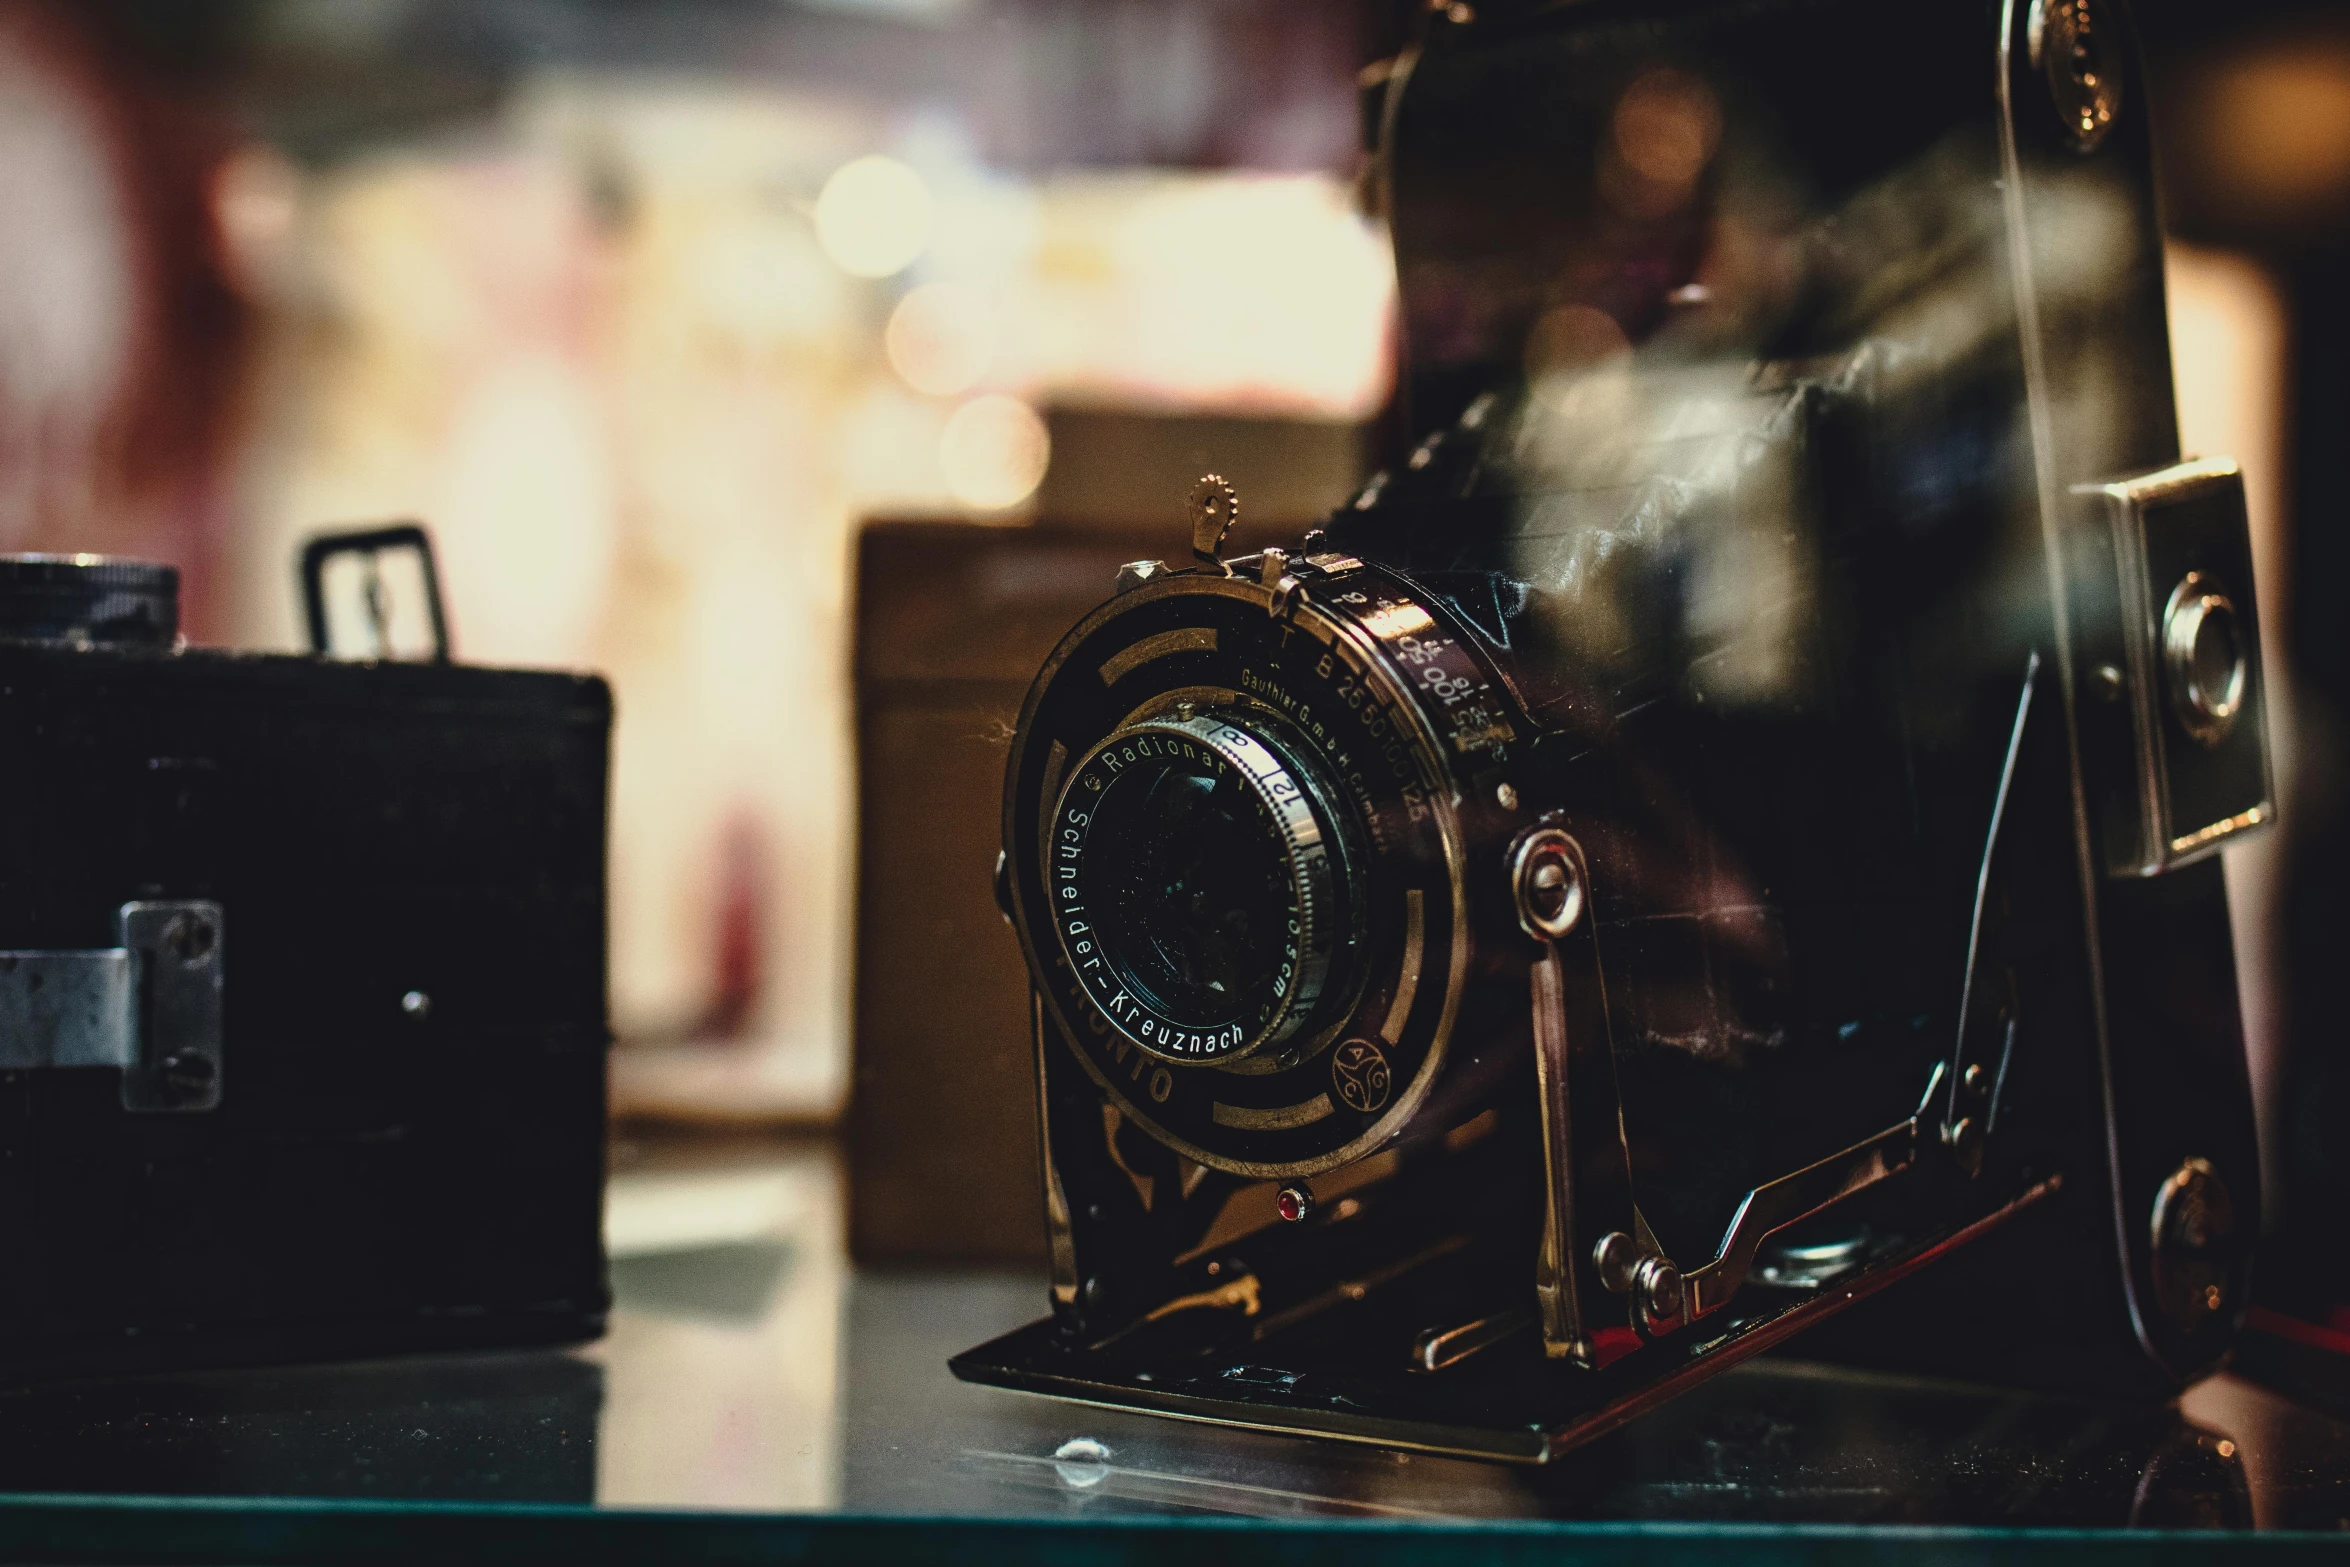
(757, 1398)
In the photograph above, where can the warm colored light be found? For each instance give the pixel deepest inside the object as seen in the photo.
(873, 216)
(2281, 138)
(993, 452)
(941, 337)
(255, 204)
(1579, 367)
(1667, 125)
(1260, 292)
(1573, 338)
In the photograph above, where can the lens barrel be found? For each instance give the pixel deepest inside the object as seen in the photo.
(1198, 885)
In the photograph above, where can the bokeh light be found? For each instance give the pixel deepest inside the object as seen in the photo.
(1666, 127)
(255, 197)
(1265, 293)
(1579, 368)
(873, 216)
(1572, 338)
(941, 338)
(993, 452)
(2288, 120)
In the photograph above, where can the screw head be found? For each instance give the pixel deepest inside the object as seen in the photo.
(1616, 1256)
(1294, 1202)
(1547, 885)
(1506, 797)
(190, 937)
(1658, 1286)
(186, 1075)
(1975, 1081)
(1965, 1137)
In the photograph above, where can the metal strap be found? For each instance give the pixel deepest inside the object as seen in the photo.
(150, 1007)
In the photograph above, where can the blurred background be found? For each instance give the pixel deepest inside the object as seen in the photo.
(643, 310)
(806, 366)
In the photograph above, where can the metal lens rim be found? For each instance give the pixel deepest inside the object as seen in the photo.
(1313, 951)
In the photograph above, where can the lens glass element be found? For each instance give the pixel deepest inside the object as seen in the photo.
(1199, 910)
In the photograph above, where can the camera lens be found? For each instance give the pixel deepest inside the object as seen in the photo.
(1196, 886)
(1202, 904)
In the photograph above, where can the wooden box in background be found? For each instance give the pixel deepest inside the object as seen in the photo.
(952, 622)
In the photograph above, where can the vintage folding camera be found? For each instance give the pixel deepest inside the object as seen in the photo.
(1726, 826)
(302, 1031)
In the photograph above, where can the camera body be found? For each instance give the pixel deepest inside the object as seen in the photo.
(1726, 825)
(302, 1030)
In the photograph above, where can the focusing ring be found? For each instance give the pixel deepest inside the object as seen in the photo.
(1097, 935)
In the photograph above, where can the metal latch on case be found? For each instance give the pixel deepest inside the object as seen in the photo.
(150, 1006)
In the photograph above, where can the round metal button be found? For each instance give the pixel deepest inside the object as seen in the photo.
(2204, 657)
(1546, 881)
(1658, 1287)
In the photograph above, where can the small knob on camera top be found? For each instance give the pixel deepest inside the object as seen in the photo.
(88, 600)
